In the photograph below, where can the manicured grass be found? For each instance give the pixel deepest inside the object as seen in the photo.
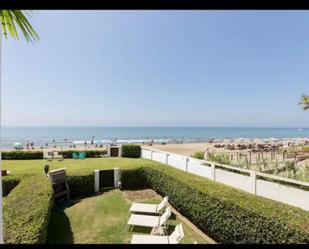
(103, 219)
(74, 166)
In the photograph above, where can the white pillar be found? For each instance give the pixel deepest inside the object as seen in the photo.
(108, 151)
(96, 180)
(119, 151)
(253, 182)
(116, 177)
(166, 158)
(213, 172)
(186, 163)
(151, 155)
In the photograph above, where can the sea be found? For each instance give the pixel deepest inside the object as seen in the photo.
(40, 136)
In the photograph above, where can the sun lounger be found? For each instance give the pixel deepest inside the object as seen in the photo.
(75, 155)
(148, 208)
(59, 182)
(82, 155)
(47, 156)
(149, 220)
(174, 238)
(57, 156)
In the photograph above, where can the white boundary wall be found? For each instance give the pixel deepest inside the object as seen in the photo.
(242, 179)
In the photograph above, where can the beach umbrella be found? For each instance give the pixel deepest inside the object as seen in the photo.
(18, 146)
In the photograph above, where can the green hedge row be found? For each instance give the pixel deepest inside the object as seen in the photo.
(27, 211)
(220, 218)
(89, 153)
(28, 155)
(9, 183)
(81, 186)
(21, 155)
(131, 150)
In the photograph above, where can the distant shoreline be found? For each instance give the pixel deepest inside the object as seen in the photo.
(170, 144)
(66, 136)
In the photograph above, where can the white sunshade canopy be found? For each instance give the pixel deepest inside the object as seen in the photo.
(103, 141)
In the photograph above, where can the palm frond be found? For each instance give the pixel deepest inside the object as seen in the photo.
(304, 102)
(11, 19)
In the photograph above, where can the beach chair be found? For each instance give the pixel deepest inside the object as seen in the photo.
(149, 220)
(174, 238)
(59, 183)
(82, 155)
(149, 208)
(56, 155)
(47, 156)
(75, 155)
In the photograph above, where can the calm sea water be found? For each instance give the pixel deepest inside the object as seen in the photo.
(42, 135)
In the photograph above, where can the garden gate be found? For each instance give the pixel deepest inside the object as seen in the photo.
(106, 179)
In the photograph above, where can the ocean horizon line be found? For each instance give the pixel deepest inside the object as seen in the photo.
(102, 126)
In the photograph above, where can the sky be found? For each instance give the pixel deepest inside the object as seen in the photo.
(158, 68)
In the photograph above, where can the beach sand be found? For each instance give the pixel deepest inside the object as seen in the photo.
(186, 149)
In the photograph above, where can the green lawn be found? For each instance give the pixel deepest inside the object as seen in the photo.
(74, 166)
(103, 219)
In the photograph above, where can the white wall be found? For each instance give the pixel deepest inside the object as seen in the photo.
(197, 168)
(159, 156)
(233, 179)
(177, 161)
(275, 191)
(282, 193)
(146, 154)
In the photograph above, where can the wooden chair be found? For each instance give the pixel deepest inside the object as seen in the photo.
(60, 183)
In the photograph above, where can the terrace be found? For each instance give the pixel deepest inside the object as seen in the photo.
(101, 217)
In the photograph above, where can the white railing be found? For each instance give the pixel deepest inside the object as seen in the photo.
(254, 182)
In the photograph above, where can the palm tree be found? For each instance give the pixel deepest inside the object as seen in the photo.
(10, 20)
(304, 102)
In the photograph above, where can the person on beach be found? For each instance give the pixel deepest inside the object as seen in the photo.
(206, 153)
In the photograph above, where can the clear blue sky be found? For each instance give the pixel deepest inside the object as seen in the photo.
(159, 68)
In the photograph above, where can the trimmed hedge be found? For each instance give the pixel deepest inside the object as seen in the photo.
(220, 218)
(131, 150)
(30, 155)
(21, 155)
(27, 211)
(9, 183)
(89, 153)
(81, 186)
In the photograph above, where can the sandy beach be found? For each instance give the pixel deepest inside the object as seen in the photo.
(184, 149)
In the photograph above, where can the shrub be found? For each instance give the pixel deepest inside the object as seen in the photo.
(131, 179)
(27, 210)
(9, 183)
(89, 153)
(198, 155)
(290, 166)
(21, 155)
(81, 186)
(131, 150)
(224, 220)
(222, 158)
